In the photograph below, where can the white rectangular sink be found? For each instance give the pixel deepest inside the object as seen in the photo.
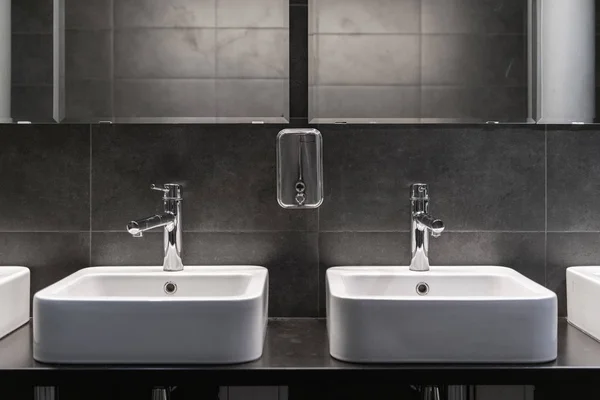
(583, 298)
(144, 315)
(479, 314)
(14, 298)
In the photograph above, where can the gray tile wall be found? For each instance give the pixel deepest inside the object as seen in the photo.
(522, 196)
(418, 60)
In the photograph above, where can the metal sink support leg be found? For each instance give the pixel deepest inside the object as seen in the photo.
(452, 392)
(161, 393)
(45, 393)
(459, 392)
(430, 393)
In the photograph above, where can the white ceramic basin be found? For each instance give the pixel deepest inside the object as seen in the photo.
(124, 315)
(469, 315)
(14, 298)
(583, 298)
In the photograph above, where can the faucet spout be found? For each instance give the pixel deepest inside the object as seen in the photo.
(138, 227)
(427, 222)
(422, 223)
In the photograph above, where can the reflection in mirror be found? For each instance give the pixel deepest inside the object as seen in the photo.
(172, 61)
(566, 84)
(420, 61)
(5, 60)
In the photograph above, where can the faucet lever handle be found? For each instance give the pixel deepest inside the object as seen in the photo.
(419, 191)
(154, 187)
(171, 191)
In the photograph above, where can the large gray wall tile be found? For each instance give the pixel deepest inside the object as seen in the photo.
(121, 249)
(269, 98)
(32, 16)
(88, 14)
(31, 59)
(165, 53)
(252, 53)
(474, 60)
(161, 13)
(88, 54)
(49, 256)
(481, 178)
(368, 102)
(88, 100)
(568, 250)
(474, 16)
(573, 179)
(361, 60)
(367, 16)
(45, 173)
(164, 98)
(228, 172)
(504, 104)
(252, 14)
(32, 103)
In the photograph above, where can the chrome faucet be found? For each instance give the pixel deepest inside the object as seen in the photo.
(421, 224)
(170, 219)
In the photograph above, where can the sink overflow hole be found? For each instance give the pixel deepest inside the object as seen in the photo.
(170, 288)
(422, 288)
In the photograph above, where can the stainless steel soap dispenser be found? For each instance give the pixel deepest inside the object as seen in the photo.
(300, 168)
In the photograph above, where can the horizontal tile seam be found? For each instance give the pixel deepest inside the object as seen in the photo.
(295, 231)
(154, 232)
(418, 85)
(214, 231)
(30, 85)
(445, 232)
(553, 231)
(196, 78)
(33, 33)
(417, 34)
(158, 28)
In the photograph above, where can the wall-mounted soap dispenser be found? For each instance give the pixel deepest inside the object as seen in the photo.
(299, 168)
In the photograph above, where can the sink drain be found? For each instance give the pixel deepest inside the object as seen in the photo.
(170, 288)
(422, 288)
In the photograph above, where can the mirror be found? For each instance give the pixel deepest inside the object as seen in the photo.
(397, 61)
(424, 61)
(203, 61)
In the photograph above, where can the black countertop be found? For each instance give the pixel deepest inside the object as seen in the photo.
(296, 351)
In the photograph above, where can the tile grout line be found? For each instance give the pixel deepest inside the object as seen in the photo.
(288, 231)
(446, 231)
(216, 54)
(546, 205)
(91, 199)
(285, 231)
(420, 39)
(318, 264)
(112, 58)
